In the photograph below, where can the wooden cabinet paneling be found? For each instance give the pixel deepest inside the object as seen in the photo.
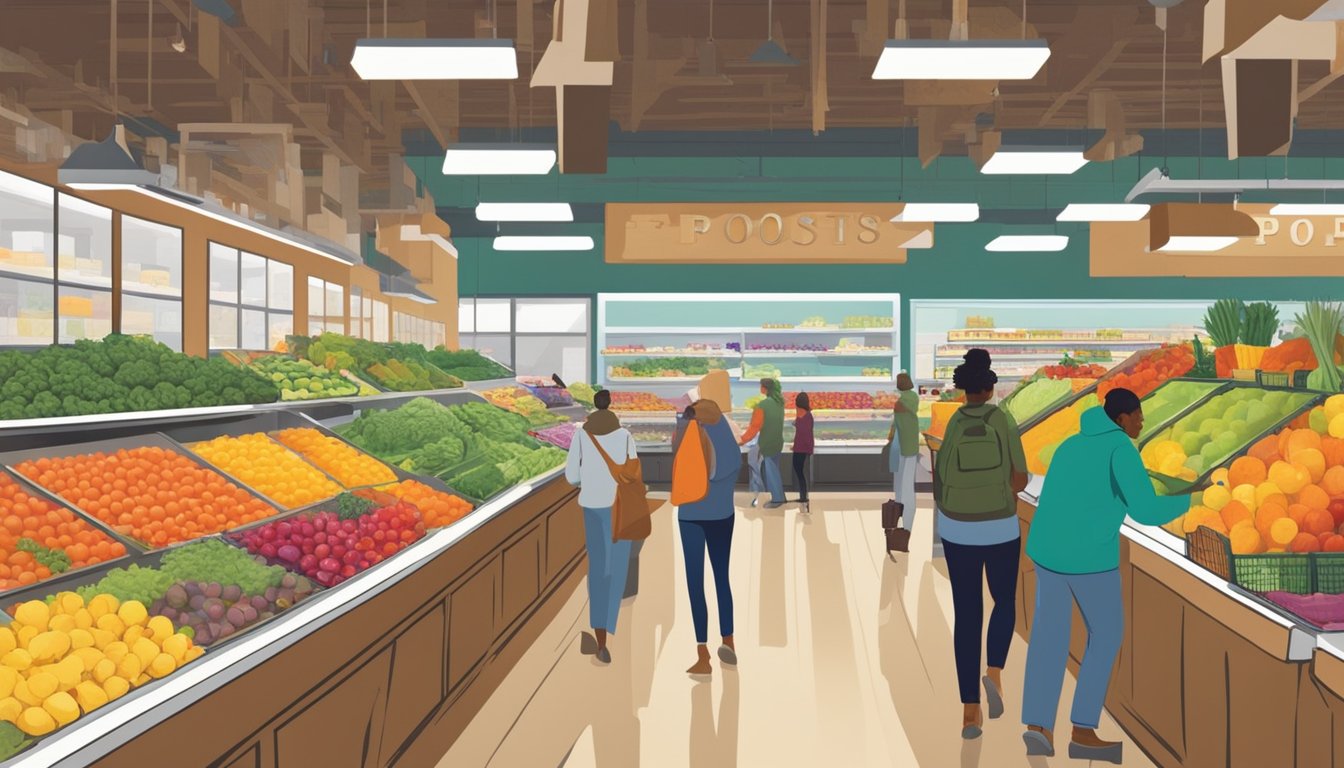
(249, 759)
(1205, 678)
(342, 726)
(564, 538)
(1157, 657)
(521, 577)
(471, 622)
(418, 681)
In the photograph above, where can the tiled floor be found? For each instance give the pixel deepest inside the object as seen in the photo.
(846, 660)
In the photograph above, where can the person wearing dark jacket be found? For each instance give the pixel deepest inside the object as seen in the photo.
(803, 446)
(707, 526)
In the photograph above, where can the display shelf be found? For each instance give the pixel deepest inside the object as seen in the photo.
(666, 355)
(831, 353)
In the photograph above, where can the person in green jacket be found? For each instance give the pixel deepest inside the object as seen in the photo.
(767, 421)
(1096, 479)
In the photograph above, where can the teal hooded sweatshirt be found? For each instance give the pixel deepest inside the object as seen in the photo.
(1096, 478)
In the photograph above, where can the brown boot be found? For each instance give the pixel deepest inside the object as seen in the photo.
(971, 721)
(1039, 741)
(1086, 745)
(702, 667)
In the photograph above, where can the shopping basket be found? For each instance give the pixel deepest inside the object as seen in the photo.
(1300, 573)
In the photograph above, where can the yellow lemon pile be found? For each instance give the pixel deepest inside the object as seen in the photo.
(1168, 458)
(65, 659)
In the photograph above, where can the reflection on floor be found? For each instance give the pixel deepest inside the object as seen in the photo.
(846, 660)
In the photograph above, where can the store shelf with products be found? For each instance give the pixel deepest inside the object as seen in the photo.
(353, 469)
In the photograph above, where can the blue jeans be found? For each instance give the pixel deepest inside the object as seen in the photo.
(608, 564)
(1098, 597)
(716, 536)
(774, 481)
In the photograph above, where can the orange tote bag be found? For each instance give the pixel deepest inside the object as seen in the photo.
(690, 468)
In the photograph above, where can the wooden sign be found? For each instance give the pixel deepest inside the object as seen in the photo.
(1286, 246)
(756, 233)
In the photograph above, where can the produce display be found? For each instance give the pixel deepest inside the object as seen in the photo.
(666, 367)
(816, 321)
(865, 321)
(1041, 441)
(833, 401)
(517, 400)
(1323, 610)
(547, 391)
(1285, 494)
(346, 465)
(119, 374)
(884, 373)
(780, 347)
(1155, 367)
(395, 367)
(68, 658)
(1209, 435)
(269, 467)
(1072, 368)
(1035, 396)
(39, 539)
(560, 435)
(581, 392)
(477, 449)
(762, 371)
(301, 380)
(640, 402)
(151, 494)
(1170, 399)
(467, 364)
(436, 507)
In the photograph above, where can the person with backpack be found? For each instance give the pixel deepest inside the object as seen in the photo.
(706, 525)
(1096, 479)
(608, 559)
(978, 473)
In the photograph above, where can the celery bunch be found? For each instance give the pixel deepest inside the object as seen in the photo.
(1321, 322)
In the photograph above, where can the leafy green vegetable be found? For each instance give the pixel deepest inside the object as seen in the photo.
(437, 456)
(12, 740)
(349, 506)
(213, 560)
(1260, 324)
(1321, 321)
(55, 560)
(130, 583)
(1223, 321)
(467, 364)
(1205, 365)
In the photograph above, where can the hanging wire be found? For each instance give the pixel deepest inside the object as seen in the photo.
(384, 18)
(1024, 19)
(149, 56)
(368, 18)
(1166, 138)
(711, 21)
(112, 69)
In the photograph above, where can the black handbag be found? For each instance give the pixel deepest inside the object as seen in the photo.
(898, 538)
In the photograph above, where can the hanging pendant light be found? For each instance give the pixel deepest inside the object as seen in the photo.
(1197, 227)
(771, 53)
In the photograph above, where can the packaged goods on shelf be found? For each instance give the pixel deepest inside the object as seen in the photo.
(865, 321)
(119, 374)
(149, 493)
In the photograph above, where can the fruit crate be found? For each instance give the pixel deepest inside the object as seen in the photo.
(1311, 401)
(1218, 387)
(132, 547)
(1256, 575)
(12, 459)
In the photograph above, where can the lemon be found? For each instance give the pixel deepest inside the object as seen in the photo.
(36, 721)
(104, 670)
(132, 612)
(162, 665)
(8, 678)
(10, 708)
(61, 623)
(8, 641)
(159, 628)
(81, 638)
(1246, 495)
(42, 685)
(90, 695)
(33, 613)
(62, 707)
(116, 687)
(1216, 497)
(17, 659)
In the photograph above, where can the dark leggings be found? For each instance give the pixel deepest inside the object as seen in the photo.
(800, 473)
(968, 567)
(716, 536)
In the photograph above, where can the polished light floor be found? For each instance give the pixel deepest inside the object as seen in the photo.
(845, 660)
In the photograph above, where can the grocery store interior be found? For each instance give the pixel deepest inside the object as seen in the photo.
(330, 331)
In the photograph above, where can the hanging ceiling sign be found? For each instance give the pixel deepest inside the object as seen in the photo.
(752, 233)
(1284, 246)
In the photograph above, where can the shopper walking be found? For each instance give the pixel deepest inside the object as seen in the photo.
(755, 483)
(903, 448)
(1096, 478)
(803, 446)
(980, 469)
(608, 560)
(767, 421)
(707, 526)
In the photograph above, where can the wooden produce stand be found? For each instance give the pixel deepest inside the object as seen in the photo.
(1205, 676)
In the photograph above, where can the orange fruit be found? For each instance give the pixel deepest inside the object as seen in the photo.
(1333, 449)
(1298, 513)
(1247, 470)
(1246, 540)
(1234, 512)
(1314, 496)
(1265, 517)
(1283, 531)
(1302, 439)
(1332, 482)
(1333, 544)
(1266, 450)
(1266, 491)
(1318, 521)
(1313, 461)
(1290, 478)
(1305, 542)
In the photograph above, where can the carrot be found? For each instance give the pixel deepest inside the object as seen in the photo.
(1225, 361)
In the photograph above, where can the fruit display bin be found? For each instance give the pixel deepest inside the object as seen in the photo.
(12, 460)
(131, 548)
(1215, 387)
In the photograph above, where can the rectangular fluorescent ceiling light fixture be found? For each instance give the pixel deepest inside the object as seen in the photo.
(1028, 243)
(544, 243)
(420, 59)
(1103, 212)
(1197, 244)
(498, 160)
(524, 212)
(961, 60)
(1307, 209)
(1034, 162)
(936, 212)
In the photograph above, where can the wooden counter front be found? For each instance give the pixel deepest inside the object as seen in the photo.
(396, 679)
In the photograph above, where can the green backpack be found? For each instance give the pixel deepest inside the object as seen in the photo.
(973, 477)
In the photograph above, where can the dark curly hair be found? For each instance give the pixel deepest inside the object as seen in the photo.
(974, 375)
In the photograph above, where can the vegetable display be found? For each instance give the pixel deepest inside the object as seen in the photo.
(467, 364)
(33, 530)
(1211, 433)
(437, 508)
(667, 367)
(301, 380)
(1041, 441)
(639, 402)
(519, 401)
(582, 392)
(1035, 397)
(1153, 368)
(119, 374)
(560, 435)
(1170, 399)
(1321, 323)
(152, 494)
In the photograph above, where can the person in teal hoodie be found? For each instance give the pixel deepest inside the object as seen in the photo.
(1096, 479)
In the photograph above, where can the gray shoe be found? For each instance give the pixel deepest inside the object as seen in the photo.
(1038, 745)
(587, 644)
(728, 656)
(993, 699)
(1109, 754)
(970, 732)
(603, 656)
(774, 505)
